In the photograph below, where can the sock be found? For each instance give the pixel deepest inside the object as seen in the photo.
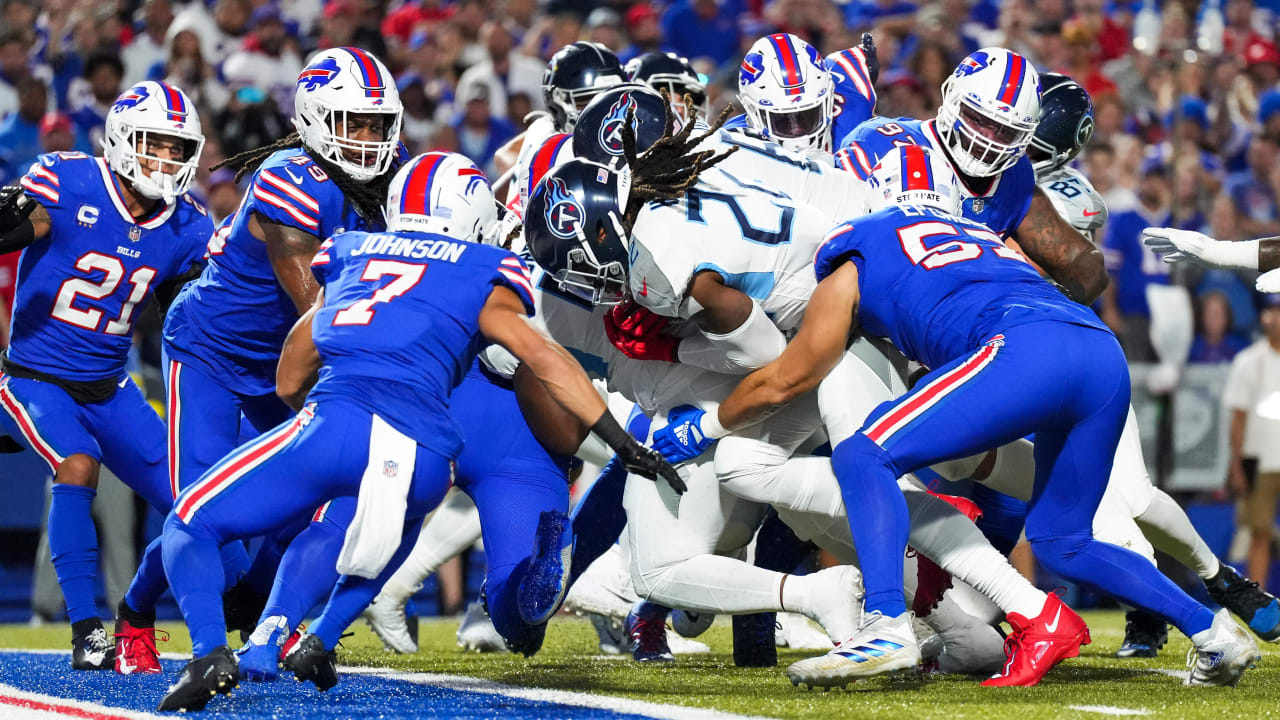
(194, 568)
(1168, 528)
(880, 525)
(307, 574)
(454, 527)
(816, 597)
(73, 542)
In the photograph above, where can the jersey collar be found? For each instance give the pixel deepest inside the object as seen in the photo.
(114, 192)
(936, 141)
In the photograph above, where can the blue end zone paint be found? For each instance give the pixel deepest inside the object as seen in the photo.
(356, 696)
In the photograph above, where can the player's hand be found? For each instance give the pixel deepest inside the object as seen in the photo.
(1179, 245)
(641, 460)
(640, 333)
(683, 437)
(15, 207)
(1269, 281)
(872, 57)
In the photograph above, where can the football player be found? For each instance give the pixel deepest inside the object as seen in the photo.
(673, 74)
(101, 236)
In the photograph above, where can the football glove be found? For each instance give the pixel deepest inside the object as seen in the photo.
(1176, 245)
(683, 437)
(640, 333)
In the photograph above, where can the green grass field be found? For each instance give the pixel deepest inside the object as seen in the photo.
(569, 661)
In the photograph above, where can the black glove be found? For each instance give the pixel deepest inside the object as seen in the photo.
(636, 458)
(9, 445)
(873, 60)
(16, 231)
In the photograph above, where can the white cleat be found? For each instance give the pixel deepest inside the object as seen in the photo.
(681, 645)
(476, 632)
(931, 643)
(796, 632)
(600, 591)
(1222, 653)
(386, 617)
(838, 608)
(882, 645)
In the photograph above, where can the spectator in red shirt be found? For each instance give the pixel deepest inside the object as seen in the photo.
(400, 24)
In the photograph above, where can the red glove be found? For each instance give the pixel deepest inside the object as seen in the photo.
(640, 333)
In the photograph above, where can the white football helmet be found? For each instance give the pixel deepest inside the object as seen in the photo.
(990, 109)
(152, 109)
(787, 92)
(347, 81)
(442, 193)
(911, 175)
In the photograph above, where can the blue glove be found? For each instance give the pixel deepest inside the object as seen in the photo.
(682, 438)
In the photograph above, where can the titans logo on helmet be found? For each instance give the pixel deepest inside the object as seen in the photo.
(564, 213)
(610, 136)
(318, 75)
(973, 63)
(136, 95)
(752, 67)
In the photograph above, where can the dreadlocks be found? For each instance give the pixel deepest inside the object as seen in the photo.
(670, 167)
(368, 198)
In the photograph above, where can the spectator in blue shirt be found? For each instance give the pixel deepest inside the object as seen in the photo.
(864, 14)
(701, 28)
(1133, 266)
(1214, 343)
(103, 73)
(480, 134)
(1253, 192)
(20, 131)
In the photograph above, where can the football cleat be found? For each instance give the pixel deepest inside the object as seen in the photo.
(931, 643)
(1221, 654)
(259, 659)
(1144, 635)
(647, 630)
(1258, 608)
(201, 679)
(476, 632)
(681, 645)
(292, 640)
(1037, 644)
(310, 661)
(136, 643)
(386, 617)
(611, 633)
(547, 578)
(241, 608)
(91, 649)
(754, 640)
(882, 645)
(691, 624)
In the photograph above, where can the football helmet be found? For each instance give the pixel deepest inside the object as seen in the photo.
(336, 84)
(152, 109)
(576, 74)
(990, 109)
(1066, 122)
(573, 228)
(670, 72)
(442, 193)
(912, 175)
(787, 92)
(598, 134)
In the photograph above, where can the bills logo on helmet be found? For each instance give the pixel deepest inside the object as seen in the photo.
(564, 213)
(136, 95)
(751, 69)
(475, 177)
(814, 58)
(318, 75)
(972, 64)
(611, 129)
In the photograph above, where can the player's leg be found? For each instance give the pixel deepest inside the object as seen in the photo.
(598, 518)
(48, 421)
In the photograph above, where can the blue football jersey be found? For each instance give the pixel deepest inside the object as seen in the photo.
(939, 286)
(80, 286)
(233, 319)
(400, 323)
(1001, 208)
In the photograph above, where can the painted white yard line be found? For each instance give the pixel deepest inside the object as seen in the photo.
(1112, 710)
(23, 705)
(563, 697)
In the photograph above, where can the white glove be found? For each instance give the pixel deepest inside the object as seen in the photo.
(1269, 281)
(1178, 245)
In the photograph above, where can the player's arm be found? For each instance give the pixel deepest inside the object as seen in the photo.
(504, 162)
(299, 360)
(1176, 245)
(504, 320)
(291, 251)
(22, 220)
(1054, 245)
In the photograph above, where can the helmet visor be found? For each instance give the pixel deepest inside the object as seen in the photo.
(794, 124)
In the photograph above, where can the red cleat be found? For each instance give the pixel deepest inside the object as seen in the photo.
(1039, 643)
(136, 649)
(291, 641)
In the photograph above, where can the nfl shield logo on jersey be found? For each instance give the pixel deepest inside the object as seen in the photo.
(390, 468)
(135, 233)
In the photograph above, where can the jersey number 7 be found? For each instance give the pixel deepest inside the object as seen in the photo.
(406, 275)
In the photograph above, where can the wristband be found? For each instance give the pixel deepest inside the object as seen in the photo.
(608, 430)
(710, 424)
(1243, 254)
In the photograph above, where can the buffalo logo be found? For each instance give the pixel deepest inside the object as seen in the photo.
(564, 213)
(814, 57)
(318, 75)
(751, 69)
(475, 178)
(972, 64)
(611, 129)
(135, 97)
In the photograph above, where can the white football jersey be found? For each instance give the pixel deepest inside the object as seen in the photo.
(1075, 200)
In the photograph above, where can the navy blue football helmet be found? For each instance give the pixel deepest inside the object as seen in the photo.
(598, 135)
(1066, 122)
(574, 75)
(670, 72)
(573, 228)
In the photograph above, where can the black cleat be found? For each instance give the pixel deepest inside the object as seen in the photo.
(1144, 635)
(201, 679)
(754, 644)
(310, 661)
(91, 647)
(241, 608)
(1255, 606)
